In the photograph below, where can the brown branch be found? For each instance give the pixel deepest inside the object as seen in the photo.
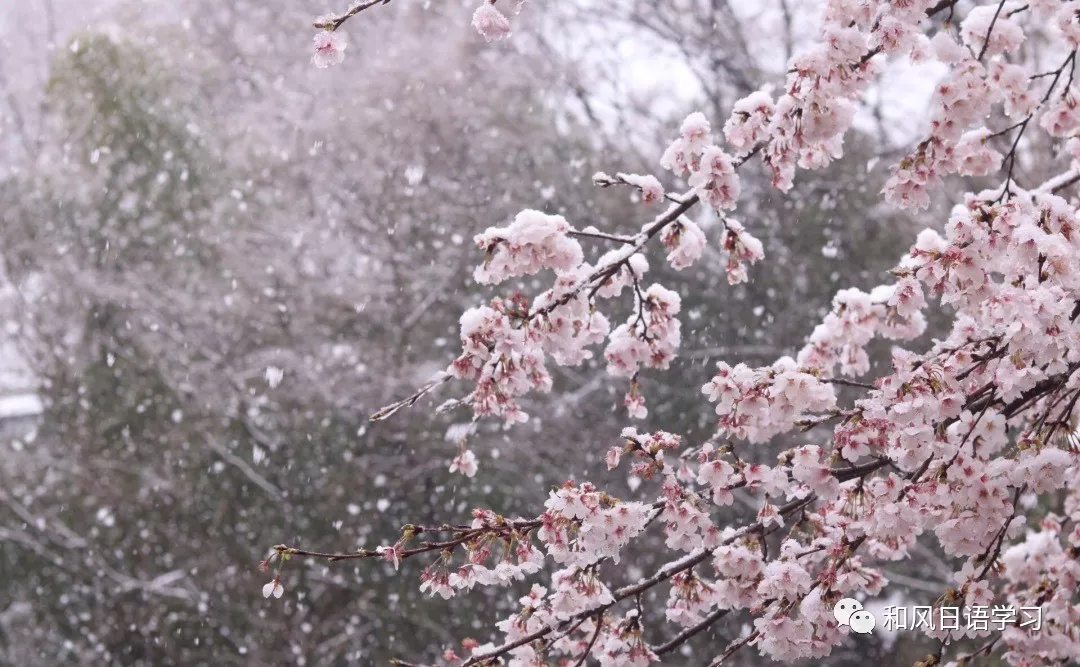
(854, 472)
(999, 539)
(386, 411)
(465, 534)
(684, 636)
(849, 383)
(601, 235)
(990, 31)
(595, 634)
(332, 23)
(735, 646)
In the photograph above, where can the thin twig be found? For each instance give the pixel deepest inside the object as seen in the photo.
(332, 23)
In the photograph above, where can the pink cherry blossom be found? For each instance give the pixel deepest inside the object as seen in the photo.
(686, 242)
(465, 463)
(329, 49)
(490, 22)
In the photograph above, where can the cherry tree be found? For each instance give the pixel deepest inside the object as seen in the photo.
(956, 442)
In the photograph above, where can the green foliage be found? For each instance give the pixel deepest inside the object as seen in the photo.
(139, 170)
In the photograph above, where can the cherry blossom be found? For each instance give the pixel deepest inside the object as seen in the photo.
(465, 463)
(976, 158)
(648, 185)
(533, 241)
(742, 249)
(686, 242)
(329, 49)
(749, 121)
(1062, 117)
(1006, 35)
(273, 588)
(684, 154)
(715, 180)
(490, 22)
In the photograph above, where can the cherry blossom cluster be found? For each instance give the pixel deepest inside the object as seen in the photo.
(983, 74)
(582, 526)
(506, 344)
(650, 337)
(1036, 570)
(742, 249)
(891, 311)
(953, 441)
(756, 404)
(533, 241)
(711, 171)
(646, 450)
(484, 565)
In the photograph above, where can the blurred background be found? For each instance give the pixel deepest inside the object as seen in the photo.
(186, 203)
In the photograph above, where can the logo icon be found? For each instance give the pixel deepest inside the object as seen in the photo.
(850, 612)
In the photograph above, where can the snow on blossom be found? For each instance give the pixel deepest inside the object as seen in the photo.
(650, 337)
(784, 579)
(1068, 22)
(715, 180)
(684, 154)
(946, 49)
(759, 403)
(648, 185)
(329, 49)
(1062, 116)
(1005, 36)
(742, 248)
(843, 43)
(686, 242)
(533, 241)
(490, 22)
(749, 121)
(975, 156)
(896, 36)
(1013, 81)
(1043, 8)
(634, 268)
